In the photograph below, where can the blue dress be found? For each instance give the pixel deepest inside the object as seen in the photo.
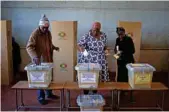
(95, 48)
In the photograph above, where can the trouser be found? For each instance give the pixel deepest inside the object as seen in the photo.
(41, 93)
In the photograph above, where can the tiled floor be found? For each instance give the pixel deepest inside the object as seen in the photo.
(143, 98)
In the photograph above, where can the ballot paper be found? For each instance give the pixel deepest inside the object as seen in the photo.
(116, 56)
(117, 48)
(85, 53)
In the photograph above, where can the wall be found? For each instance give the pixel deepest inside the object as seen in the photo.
(153, 15)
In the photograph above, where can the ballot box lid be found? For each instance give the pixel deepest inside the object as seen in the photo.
(88, 66)
(140, 67)
(42, 66)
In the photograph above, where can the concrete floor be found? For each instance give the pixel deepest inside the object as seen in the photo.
(143, 98)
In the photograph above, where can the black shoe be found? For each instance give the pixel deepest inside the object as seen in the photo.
(53, 97)
(43, 102)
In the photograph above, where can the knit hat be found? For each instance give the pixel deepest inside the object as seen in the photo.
(43, 21)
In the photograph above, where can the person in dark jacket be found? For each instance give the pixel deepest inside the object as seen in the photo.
(16, 56)
(125, 47)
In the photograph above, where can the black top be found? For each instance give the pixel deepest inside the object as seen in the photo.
(127, 47)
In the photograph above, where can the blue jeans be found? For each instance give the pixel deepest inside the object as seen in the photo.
(41, 93)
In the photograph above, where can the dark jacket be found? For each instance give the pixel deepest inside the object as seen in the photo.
(127, 48)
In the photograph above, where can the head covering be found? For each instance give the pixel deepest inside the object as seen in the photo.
(120, 29)
(96, 25)
(44, 21)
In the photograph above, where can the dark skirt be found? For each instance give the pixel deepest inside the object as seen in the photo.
(122, 71)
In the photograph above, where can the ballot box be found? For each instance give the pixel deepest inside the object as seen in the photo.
(39, 76)
(140, 75)
(91, 102)
(88, 74)
(64, 36)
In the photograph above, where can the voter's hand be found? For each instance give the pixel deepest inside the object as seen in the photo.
(56, 48)
(36, 61)
(119, 52)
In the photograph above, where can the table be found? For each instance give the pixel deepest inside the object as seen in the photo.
(23, 85)
(155, 86)
(114, 87)
(74, 86)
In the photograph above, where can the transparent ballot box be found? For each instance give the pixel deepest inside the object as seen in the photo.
(39, 76)
(140, 75)
(88, 74)
(91, 102)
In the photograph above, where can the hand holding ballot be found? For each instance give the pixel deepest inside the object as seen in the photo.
(107, 51)
(119, 52)
(36, 61)
(85, 53)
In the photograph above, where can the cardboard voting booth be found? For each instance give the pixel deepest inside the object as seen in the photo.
(6, 52)
(64, 36)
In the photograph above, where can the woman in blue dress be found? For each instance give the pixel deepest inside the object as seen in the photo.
(95, 43)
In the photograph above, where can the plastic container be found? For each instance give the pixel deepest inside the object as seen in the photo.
(88, 75)
(39, 76)
(91, 102)
(140, 75)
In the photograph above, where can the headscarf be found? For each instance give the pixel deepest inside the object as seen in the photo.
(119, 30)
(96, 25)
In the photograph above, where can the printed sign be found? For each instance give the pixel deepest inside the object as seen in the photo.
(63, 67)
(62, 35)
(142, 79)
(37, 76)
(88, 78)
